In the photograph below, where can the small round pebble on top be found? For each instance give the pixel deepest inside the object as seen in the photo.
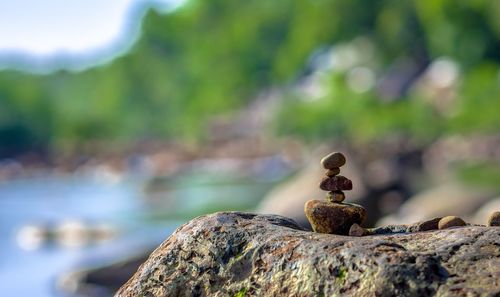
(494, 219)
(333, 160)
(450, 221)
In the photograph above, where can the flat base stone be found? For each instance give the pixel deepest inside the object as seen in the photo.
(333, 218)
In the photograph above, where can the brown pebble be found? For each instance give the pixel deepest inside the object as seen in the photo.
(332, 172)
(450, 221)
(428, 225)
(335, 196)
(357, 230)
(333, 160)
(335, 183)
(494, 219)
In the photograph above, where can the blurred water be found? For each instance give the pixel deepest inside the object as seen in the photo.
(139, 220)
(49, 202)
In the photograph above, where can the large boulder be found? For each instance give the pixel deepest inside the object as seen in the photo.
(243, 254)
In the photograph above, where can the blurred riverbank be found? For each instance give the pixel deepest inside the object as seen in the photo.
(63, 219)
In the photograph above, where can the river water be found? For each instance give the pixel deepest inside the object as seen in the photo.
(129, 220)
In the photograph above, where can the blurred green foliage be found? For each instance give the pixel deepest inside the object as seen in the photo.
(479, 175)
(214, 57)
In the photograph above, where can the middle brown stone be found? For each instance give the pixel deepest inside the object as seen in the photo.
(335, 183)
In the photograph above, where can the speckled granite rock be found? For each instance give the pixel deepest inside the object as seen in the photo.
(243, 254)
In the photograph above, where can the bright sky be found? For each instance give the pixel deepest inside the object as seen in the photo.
(48, 26)
(44, 28)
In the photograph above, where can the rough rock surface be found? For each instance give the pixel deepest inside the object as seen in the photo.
(243, 254)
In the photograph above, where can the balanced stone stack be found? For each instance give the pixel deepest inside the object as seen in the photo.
(332, 216)
(333, 182)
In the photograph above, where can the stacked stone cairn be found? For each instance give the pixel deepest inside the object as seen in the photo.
(331, 215)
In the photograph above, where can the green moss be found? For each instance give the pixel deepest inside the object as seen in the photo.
(341, 273)
(239, 255)
(241, 293)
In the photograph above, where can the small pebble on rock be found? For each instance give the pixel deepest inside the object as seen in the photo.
(335, 196)
(450, 221)
(428, 225)
(335, 183)
(357, 230)
(494, 219)
(332, 172)
(333, 160)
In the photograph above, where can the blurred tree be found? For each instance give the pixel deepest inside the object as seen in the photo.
(213, 57)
